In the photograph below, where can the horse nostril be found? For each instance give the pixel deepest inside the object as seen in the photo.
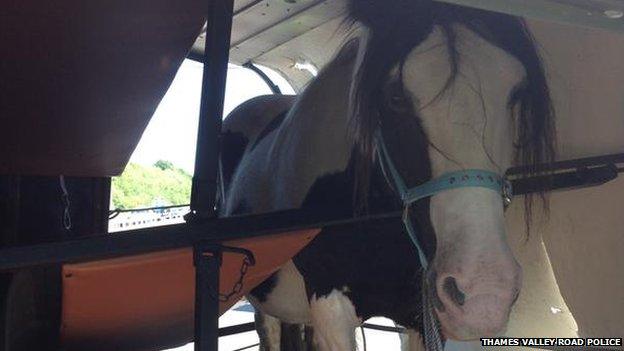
(452, 290)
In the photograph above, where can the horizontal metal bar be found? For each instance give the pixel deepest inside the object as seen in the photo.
(575, 179)
(247, 327)
(141, 209)
(195, 56)
(593, 161)
(384, 328)
(175, 236)
(247, 347)
(237, 329)
(186, 235)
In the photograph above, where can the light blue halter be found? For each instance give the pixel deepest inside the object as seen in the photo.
(453, 180)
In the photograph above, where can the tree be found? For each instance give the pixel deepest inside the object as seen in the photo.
(164, 165)
(147, 186)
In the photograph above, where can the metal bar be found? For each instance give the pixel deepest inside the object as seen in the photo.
(216, 56)
(247, 347)
(274, 88)
(207, 260)
(141, 209)
(384, 328)
(186, 235)
(582, 178)
(575, 163)
(251, 326)
(237, 329)
(147, 240)
(192, 55)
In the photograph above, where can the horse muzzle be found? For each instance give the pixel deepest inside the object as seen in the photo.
(472, 308)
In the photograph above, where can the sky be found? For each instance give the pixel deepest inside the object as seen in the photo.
(172, 132)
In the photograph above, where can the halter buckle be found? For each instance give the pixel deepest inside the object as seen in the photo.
(507, 192)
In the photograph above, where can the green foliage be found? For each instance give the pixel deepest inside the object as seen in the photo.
(146, 186)
(164, 165)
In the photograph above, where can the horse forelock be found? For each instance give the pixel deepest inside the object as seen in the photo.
(396, 27)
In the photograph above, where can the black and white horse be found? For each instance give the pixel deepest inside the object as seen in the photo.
(450, 89)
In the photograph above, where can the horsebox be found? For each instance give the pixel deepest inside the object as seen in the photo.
(81, 80)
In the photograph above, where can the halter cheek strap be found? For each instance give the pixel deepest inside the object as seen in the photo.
(453, 180)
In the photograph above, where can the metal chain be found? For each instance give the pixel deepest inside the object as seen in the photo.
(67, 221)
(432, 339)
(238, 286)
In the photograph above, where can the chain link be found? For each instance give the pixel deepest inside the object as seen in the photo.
(238, 286)
(431, 327)
(67, 221)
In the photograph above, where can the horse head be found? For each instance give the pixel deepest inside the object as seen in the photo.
(452, 89)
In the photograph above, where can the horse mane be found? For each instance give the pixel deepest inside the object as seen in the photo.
(395, 28)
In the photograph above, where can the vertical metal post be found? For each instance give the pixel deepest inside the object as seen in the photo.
(203, 195)
(207, 265)
(216, 56)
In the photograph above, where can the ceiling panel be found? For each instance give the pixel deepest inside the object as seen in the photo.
(263, 29)
(263, 16)
(290, 29)
(315, 47)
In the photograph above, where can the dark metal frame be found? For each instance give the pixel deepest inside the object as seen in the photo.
(215, 60)
(205, 233)
(208, 255)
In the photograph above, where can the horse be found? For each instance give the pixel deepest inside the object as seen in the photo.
(423, 95)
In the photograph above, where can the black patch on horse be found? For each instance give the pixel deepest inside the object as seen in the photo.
(233, 145)
(375, 265)
(262, 291)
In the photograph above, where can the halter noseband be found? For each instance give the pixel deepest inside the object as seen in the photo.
(452, 180)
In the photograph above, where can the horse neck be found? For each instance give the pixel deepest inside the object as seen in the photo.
(317, 125)
(313, 141)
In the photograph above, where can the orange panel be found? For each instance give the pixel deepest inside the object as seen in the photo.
(146, 302)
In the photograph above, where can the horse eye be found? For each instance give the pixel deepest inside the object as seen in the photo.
(396, 99)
